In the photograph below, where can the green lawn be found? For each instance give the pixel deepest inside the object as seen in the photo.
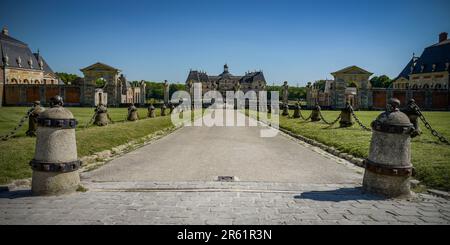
(430, 157)
(17, 152)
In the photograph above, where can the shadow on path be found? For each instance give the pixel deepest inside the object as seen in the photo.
(339, 195)
(15, 194)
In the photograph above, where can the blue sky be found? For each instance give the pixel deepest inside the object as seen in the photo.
(297, 41)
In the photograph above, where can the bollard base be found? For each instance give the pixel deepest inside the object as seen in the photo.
(51, 183)
(345, 124)
(388, 186)
(101, 119)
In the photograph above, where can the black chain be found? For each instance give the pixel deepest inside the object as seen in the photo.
(326, 122)
(306, 119)
(441, 138)
(358, 121)
(92, 119)
(19, 125)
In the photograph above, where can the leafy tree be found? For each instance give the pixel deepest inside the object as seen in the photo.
(67, 78)
(382, 81)
(100, 82)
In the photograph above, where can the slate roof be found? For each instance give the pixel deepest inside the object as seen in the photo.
(437, 54)
(13, 49)
(247, 78)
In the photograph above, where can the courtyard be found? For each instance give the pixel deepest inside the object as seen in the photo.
(175, 180)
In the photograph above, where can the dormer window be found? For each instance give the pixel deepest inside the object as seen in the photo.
(422, 67)
(433, 67)
(30, 63)
(446, 66)
(5, 59)
(411, 69)
(41, 64)
(19, 61)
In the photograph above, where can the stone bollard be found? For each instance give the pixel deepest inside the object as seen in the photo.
(101, 116)
(32, 119)
(151, 111)
(132, 113)
(346, 117)
(388, 167)
(163, 110)
(285, 110)
(296, 111)
(315, 114)
(55, 164)
(413, 115)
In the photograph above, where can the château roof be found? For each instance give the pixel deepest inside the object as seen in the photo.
(202, 77)
(433, 59)
(12, 49)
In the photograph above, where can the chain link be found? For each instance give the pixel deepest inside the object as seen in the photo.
(306, 119)
(326, 122)
(436, 134)
(358, 121)
(19, 125)
(92, 119)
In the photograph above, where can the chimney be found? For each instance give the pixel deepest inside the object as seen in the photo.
(443, 37)
(5, 31)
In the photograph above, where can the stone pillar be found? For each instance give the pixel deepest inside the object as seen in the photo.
(388, 167)
(285, 109)
(33, 117)
(166, 92)
(315, 114)
(163, 110)
(339, 93)
(55, 164)
(296, 111)
(346, 116)
(132, 113)
(151, 111)
(101, 115)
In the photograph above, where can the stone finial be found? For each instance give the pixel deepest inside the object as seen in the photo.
(56, 101)
(5, 31)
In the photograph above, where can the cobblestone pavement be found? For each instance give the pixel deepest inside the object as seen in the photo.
(220, 203)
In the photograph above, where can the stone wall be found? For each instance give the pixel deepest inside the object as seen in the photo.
(25, 94)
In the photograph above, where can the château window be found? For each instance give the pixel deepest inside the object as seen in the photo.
(14, 81)
(26, 81)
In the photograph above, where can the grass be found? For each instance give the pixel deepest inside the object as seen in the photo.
(17, 152)
(430, 157)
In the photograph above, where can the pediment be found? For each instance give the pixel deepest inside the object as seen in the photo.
(99, 66)
(352, 70)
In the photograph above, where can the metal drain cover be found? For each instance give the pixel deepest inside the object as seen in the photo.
(225, 178)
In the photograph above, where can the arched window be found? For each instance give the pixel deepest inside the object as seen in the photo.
(14, 81)
(36, 81)
(45, 81)
(425, 86)
(26, 81)
(414, 86)
(438, 86)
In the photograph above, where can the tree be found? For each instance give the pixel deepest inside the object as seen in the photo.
(382, 81)
(67, 78)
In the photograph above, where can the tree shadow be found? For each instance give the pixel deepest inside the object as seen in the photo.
(15, 194)
(339, 195)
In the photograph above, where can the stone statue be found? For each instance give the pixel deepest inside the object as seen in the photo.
(237, 86)
(166, 92)
(285, 92)
(32, 119)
